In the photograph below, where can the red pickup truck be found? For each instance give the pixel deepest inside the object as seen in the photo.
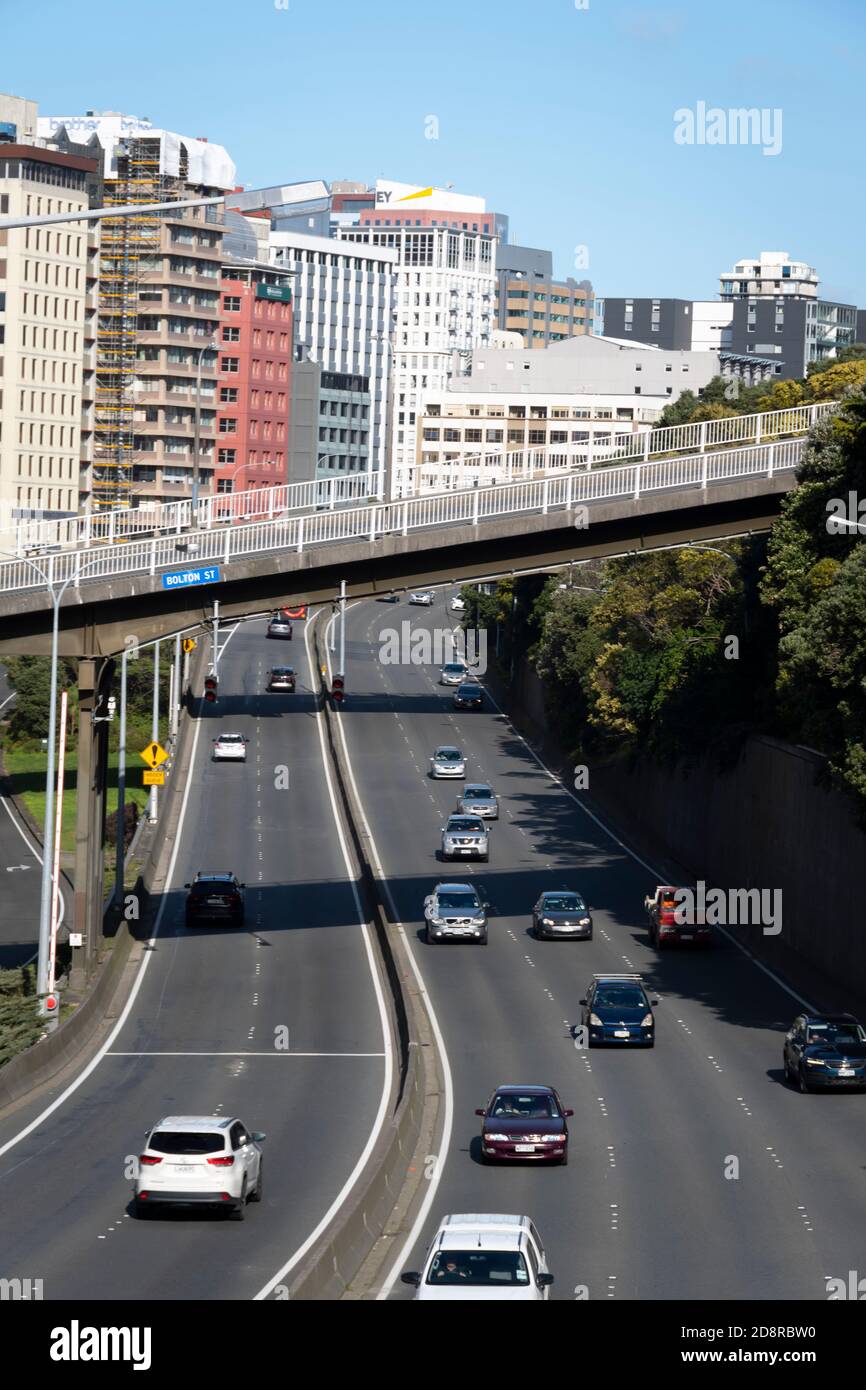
(673, 921)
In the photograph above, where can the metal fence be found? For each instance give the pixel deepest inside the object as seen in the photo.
(267, 504)
(302, 532)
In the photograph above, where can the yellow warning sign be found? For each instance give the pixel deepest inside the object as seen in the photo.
(153, 778)
(154, 755)
(189, 644)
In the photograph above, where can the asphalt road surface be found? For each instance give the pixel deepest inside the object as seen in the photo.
(199, 1037)
(694, 1171)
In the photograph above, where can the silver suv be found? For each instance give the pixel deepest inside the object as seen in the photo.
(466, 837)
(455, 912)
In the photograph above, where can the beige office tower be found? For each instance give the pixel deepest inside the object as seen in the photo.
(43, 282)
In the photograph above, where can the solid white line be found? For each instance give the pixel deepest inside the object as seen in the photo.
(38, 857)
(147, 957)
(273, 1053)
(382, 1113)
(433, 1186)
(8, 698)
(659, 877)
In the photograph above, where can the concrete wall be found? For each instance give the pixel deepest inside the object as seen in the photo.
(769, 821)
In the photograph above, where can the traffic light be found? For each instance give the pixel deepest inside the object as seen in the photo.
(211, 687)
(49, 1007)
(338, 689)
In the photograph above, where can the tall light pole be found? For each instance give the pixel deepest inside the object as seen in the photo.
(196, 463)
(56, 596)
(120, 848)
(387, 341)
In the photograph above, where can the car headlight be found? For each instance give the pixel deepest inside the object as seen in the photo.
(496, 1138)
(547, 921)
(646, 1021)
(815, 1062)
(438, 921)
(477, 921)
(584, 922)
(595, 1021)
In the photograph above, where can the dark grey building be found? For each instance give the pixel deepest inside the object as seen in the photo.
(663, 323)
(304, 420)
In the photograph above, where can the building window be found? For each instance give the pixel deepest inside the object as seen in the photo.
(229, 394)
(231, 303)
(230, 364)
(226, 455)
(227, 426)
(231, 335)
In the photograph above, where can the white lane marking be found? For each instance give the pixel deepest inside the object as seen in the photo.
(433, 1184)
(147, 957)
(659, 877)
(242, 1053)
(382, 1112)
(38, 857)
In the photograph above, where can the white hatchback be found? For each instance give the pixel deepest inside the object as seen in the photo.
(480, 1258)
(230, 748)
(199, 1160)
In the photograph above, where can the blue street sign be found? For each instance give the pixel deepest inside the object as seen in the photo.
(184, 579)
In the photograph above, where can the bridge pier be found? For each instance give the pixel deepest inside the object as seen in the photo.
(94, 684)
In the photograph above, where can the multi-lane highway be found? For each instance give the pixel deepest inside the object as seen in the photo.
(695, 1172)
(203, 1032)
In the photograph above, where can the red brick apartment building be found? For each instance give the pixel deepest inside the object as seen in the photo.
(253, 378)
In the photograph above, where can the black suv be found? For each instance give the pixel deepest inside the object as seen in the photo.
(826, 1050)
(215, 897)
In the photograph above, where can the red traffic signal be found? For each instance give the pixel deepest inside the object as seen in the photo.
(211, 686)
(338, 689)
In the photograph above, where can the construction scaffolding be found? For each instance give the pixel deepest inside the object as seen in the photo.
(128, 247)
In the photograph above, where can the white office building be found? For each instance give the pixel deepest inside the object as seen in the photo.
(344, 302)
(445, 245)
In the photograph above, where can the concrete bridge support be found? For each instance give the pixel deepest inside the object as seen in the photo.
(94, 685)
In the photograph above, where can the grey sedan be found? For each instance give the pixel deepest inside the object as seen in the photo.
(479, 799)
(447, 762)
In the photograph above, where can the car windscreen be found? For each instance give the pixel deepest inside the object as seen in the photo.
(464, 823)
(453, 668)
(447, 755)
(279, 672)
(231, 738)
(531, 1107)
(469, 691)
(478, 794)
(205, 888)
(620, 997)
(563, 902)
(171, 1141)
(458, 902)
(836, 1034)
(478, 1268)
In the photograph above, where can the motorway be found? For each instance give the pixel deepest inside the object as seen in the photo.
(199, 1034)
(644, 1209)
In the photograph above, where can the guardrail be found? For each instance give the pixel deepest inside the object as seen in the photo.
(300, 533)
(130, 523)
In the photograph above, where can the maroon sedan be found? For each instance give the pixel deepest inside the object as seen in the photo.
(524, 1123)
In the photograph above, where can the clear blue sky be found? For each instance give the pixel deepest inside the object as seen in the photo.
(561, 117)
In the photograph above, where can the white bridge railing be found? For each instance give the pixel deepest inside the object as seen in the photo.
(369, 523)
(267, 504)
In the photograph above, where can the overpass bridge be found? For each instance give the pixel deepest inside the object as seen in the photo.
(125, 589)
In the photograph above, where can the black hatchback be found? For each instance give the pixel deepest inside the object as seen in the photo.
(617, 1010)
(826, 1051)
(215, 897)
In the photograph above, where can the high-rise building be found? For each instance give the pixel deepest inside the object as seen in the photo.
(158, 308)
(43, 306)
(253, 377)
(445, 297)
(344, 304)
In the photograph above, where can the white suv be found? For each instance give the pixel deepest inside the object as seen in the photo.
(479, 1258)
(199, 1160)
